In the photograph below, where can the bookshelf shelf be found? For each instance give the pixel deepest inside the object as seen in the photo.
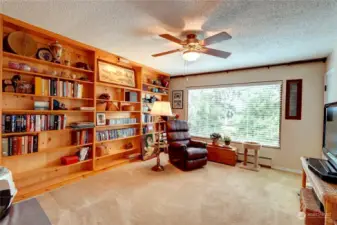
(45, 75)
(118, 111)
(116, 152)
(47, 150)
(144, 124)
(37, 132)
(117, 126)
(24, 111)
(157, 86)
(117, 86)
(104, 100)
(44, 96)
(117, 139)
(33, 60)
(47, 169)
(154, 93)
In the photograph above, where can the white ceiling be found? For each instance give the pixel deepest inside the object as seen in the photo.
(264, 31)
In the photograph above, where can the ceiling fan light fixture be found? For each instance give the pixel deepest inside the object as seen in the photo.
(191, 55)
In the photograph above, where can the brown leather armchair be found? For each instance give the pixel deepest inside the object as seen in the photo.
(184, 153)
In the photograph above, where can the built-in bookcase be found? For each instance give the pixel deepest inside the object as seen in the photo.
(152, 89)
(39, 169)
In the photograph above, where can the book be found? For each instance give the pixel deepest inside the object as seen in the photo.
(5, 146)
(38, 86)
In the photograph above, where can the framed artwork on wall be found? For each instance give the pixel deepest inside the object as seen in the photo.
(148, 148)
(294, 100)
(110, 73)
(177, 99)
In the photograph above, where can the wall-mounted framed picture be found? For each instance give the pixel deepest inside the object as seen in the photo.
(177, 99)
(111, 73)
(100, 119)
(294, 100)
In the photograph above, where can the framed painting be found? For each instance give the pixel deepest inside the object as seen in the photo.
(114, 74)
(294, 100)
(177, 99)
(148, 148)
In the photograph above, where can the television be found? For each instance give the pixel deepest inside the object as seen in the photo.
(330, 133)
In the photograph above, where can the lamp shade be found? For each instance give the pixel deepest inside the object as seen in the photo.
(161, 108)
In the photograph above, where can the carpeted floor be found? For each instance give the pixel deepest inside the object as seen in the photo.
(217, 194)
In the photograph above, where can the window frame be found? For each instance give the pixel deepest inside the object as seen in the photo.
(238, 85)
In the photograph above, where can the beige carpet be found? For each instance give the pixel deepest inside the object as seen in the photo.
(218, 194)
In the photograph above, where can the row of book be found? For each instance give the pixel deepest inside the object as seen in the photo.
(114, 134)
(53, 87)
(32, 123)
(19, 145)
(121, 121)
(80, 137)
(146, 118)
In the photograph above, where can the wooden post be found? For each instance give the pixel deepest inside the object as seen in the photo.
(245, 157)
(304, 179)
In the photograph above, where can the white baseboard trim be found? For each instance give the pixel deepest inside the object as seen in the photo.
(286, 169)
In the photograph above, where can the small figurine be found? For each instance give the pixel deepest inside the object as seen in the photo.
(58, 105)
(12, 82)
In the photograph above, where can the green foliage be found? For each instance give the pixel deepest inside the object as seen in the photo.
(245, 113)
(215, 136)
(227, 138)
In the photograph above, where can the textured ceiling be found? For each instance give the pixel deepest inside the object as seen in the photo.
(264, 31)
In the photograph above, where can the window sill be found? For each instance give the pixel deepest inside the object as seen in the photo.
(208, 140)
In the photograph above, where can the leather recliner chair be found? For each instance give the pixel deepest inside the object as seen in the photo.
(184, 153)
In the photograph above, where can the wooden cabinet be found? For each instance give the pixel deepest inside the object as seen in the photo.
(223, 155)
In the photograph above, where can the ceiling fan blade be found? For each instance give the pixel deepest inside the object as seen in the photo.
(166, 53)
(217, 53)
(171, 38)
(216, 38)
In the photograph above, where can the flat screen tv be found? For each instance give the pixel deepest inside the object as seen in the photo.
(330, 133)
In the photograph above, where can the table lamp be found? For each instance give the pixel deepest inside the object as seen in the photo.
(160, 108)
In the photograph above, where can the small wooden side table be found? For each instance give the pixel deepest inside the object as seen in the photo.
(256, 148)
(222, 154)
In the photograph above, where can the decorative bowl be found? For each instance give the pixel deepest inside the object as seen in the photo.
(35, 69)
(25, 67)
(14, 65)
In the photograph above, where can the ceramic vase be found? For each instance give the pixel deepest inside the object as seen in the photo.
(56, 50)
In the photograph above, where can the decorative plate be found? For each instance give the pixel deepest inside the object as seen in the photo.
(44, 54)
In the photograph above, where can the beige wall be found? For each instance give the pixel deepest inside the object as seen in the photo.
(298, 138)
(331, 77)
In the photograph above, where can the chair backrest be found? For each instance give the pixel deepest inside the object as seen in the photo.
(177, 131)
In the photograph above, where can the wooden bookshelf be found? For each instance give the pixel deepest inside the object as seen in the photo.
(41, 171)
(148, 79)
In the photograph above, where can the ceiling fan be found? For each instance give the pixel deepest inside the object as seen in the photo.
(192, 46)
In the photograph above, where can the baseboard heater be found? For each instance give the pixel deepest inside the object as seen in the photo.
(263, 161)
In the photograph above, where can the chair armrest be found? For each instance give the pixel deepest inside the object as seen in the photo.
(198, 144)
(176, 145)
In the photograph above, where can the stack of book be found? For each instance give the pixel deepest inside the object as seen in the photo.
(80, 137)
(146, 118)
(19, 145)
(32, 123)
(114, 134)
(52, 87)
(121, 121)
(82, 125)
